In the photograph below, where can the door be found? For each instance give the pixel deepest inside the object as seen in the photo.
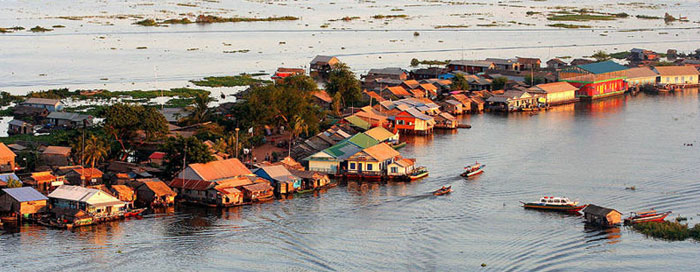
(359, 168)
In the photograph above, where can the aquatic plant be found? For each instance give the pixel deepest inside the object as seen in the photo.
(572, 26)
(648, 17)
(380, 16)
(147, 22)
(581, 17)
(58, 26)
(209, 19)
(451, 26)
(228, 81)
(39, 29)
(182, 21)
(672, 231)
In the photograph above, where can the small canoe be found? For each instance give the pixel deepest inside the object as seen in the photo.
(646, 216)
(398, 146)
(443, 191)
(419, 173)
(134, 212)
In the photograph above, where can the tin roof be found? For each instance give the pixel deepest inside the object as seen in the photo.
(42, 101)
(379, 134)
(5, 151)
(676, 70)
(638, 72)
(24, 194)
(82, 194)
(57, 150)
(159, 188)
(602, 67)
(598, 210)
(342, 150)
(362, 140)
(556, 87)
(357, 121)
(381, 152)
(323, 95)
(220, 169)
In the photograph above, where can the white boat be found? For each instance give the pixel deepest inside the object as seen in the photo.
(473, 169)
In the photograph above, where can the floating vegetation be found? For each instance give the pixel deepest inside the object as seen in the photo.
(451, 26)
(236, 51)
(39, 29)
(489, 25)
(621, 55)
(416, 62)
(648, 17)
(58, 26)
(147, 22)
(325, 25)
(142, 47)
(345, 19)
(10, 29)
(229, 81)
(416, 34)
(581, 17)
(192, 49)
(182, 21)
(397, 9)
(72, 18)
(208, 19)
(187, 5)
(569, 26)
(380, 16)
(672, 231)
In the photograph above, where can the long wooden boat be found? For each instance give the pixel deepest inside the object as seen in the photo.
(398, 146)
(134, 212)
(418, 173)
(443, 191)
(549, 203)
(646, 216)
(305, 191)
(473, 170)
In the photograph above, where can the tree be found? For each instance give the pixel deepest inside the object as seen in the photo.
(302, 83)
(498, 83)
(533, 80)
(184, 150)
(13, 183)
(601, 56)
(342, 80)
(124, 121)
(199, 110)
(337, 103)
(96, 150)
(298, 126)
(415, 62)
(459, 83)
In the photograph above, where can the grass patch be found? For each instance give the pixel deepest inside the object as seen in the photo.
(229, 81)
(648, 17)
(451, 26)
(237, 51)
(139, 94)
(672, 231)
(416, 62)
(40, 29)
(620, 55)
(209, 19)
(58, 26)
(572, 26)
(345, 19)
(147, 22)
(183, 21)
(581, 17)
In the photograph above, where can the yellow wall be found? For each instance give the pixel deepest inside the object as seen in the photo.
(324, 166)
(375, 165)
(690, 79)
(561, 96)
(637, 81)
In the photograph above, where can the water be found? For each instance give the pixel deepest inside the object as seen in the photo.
(587, 151)
(100, 51)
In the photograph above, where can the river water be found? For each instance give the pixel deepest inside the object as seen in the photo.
(586, 151)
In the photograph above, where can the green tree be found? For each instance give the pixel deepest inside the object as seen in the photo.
(533, 80)
(459, 83)
(13, 183)
(184, 150)
(337, 103)
(298, 126)
(124, 121)
(415, 62)
(342, 80)
(499, 83)
(199, 110)
(601, 56)
(301, 83)
(96, 150)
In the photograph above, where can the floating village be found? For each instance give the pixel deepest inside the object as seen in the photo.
(300, 131)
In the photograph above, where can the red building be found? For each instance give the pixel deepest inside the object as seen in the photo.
(413, 121)
(596, 80)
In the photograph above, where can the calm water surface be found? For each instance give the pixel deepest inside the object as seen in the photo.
(589, 152)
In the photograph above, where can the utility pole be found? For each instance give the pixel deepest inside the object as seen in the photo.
(237, 129)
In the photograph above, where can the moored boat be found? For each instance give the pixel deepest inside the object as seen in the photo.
(134, 212)
(443, 191)
(646, 216)
(473, 169)
(418, 173)
(551, 203)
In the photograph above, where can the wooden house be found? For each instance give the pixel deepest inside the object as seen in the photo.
(280, 178)
(640, 76)
(7, 159)
(258, 191)
(209, 183)
(311, 179)
(123, 193)
(601, 216)
(332, 159)
(154, 194)
(596, 80)
(556, 93)
(529, 63)
(513, 100)
(51, 105)
(451, 106)
(395, 92)
(321, 66)
(157, 158)
(412, 120)
(505, 64)
(445, 120)
(555, 64)
(478, 103)
(677, 75)
(577, 62)
(371, 162)
(431, 91)
(84, 176)
(401, 167)
(44, 182)
(410, 84)
(322, 99)
(94, 202)
(20, 127)
(56, 155)
(464, 100)
(641, 55)
(29, 112)
(394, 73)
(372, 96)
(69, 119)
(382, 135)
(23, 201)
(427, 73)
(470, 66)
(283, 73)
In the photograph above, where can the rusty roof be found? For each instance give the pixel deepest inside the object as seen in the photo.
(197, 185)
(123, 189)
(57, 150)
(220, 169)
(323, 95)
(257, 187)
(159, 188)
(5, 151)
(88, 172)
(556, 87)
(640, 72)
(676, 70)
(381, 152)
(398, 91)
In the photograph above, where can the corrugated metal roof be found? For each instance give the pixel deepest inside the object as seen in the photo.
(363, 140)
(220, 169)
(602, 67)
(24, 194)
(342, 150)
(5, 151)
(379, 133)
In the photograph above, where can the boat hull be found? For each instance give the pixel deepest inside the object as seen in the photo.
(475, 173)
(653, 218)
(418, 176)
(557, 208)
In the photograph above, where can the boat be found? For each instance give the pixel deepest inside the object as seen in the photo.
(646, 216)
(305, 191)
(443, 191)
(134, 212)
(473, 169)
(551, 203)
(398, 146)
(418, 173)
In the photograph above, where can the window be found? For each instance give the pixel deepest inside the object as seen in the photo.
(682, 79)
(369, 167)
(394, 169)
(352, 165)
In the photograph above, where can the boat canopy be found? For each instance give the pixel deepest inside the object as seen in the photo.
(555, 200)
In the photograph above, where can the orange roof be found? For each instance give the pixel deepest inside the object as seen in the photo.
(428, 87)
(676, 70)
(197, 185)
(5, 151)
(638, 72)
(462, 98)
(122, 175)
(159, 188)
(227, 190)
(412, 83)
(88, 172)
(57, 150)
(381, 152)
(123, 189)
(43, 176)
(220, 169)
(323, 95)
(374, 96)
(235, 182)
(557, 87)
(417, 93)
(398, 91)
(256, 187)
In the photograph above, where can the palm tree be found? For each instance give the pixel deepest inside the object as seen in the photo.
(96, 150)
(297, 128)
(13, 183)
(200, 108)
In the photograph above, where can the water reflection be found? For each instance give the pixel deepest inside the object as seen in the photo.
(610, 235)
